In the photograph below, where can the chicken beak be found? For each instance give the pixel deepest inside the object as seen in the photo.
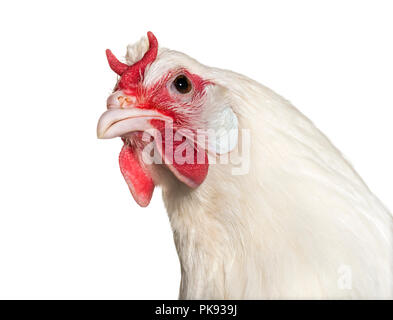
(118, 122)
(123, 116)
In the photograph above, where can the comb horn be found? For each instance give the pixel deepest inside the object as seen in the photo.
(150, 54)
(132, 75)
(116, 65)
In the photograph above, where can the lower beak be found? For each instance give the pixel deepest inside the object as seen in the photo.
(118, 122)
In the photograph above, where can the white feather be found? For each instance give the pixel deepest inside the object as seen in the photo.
(136, 50)
(291, 225)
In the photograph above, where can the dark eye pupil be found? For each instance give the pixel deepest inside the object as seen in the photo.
(182, 84)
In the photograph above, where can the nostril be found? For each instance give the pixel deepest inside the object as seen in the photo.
(125, 101)
(119, 100)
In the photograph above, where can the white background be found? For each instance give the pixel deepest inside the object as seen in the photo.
(69, 227)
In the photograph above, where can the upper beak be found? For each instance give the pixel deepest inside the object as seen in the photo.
(124, 117)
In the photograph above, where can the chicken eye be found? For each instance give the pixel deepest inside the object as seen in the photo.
(182, 84)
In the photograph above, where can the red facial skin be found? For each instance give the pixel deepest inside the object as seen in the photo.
(161, 98)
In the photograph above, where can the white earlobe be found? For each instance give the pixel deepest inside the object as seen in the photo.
(224, 136)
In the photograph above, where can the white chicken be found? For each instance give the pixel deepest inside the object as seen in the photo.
(290, 218)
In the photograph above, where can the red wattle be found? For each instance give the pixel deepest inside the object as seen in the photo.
(196, 164)
(138, 180)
